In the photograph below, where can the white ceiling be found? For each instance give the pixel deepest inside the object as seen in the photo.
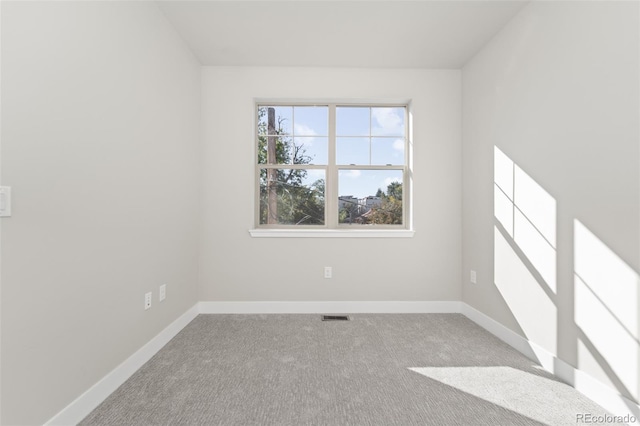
(387, 34)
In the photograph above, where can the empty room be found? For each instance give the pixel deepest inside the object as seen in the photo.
(319, 212)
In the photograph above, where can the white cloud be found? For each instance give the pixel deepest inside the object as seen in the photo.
(387, 121)
(398, 144)
(352, 173)
(301, 129)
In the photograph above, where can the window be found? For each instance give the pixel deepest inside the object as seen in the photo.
(332, 166)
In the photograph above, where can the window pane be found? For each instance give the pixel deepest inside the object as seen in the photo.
(288, 150)
(282, 119)
(387, 151)
(283, 151)
(370, 197)
(262, 120)
(310, 150)
(387, 121)
(311, 121)
(292, 196)
(353, 121)
(352, 151)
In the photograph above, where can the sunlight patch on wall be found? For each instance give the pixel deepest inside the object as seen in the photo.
(529, 303)
(606, 310)
(527, 394)
(524, 250)
(528, 214)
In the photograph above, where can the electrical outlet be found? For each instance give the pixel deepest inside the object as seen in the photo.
(147, 300)
(473, 278)
(163, 292)
(328, 272)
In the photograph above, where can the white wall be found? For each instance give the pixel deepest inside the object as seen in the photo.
(557, 93)
(100, 142)
(236, 267)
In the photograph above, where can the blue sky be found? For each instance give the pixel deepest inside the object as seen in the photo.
(365, 136)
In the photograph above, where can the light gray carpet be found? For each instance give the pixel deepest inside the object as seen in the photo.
(412, 369)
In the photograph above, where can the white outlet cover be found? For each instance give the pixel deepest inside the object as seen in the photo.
(328, 272)
(147, 300)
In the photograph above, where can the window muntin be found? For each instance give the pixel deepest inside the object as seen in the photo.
(332, 166)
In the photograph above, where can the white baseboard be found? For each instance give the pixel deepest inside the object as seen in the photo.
(329, 307)
(530, 349)
(590, 387)
(597, 391)
(88, 401)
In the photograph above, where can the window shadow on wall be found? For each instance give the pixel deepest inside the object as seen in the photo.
(525, 250)
(606, 290)
(606, 313)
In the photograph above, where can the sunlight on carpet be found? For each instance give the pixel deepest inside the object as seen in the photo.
(534, 396)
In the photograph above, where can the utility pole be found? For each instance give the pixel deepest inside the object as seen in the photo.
(272, 174)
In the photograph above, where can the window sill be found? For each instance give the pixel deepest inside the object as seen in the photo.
(331, 233)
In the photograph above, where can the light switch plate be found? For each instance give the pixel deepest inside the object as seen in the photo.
(162, 294)
(5, 201)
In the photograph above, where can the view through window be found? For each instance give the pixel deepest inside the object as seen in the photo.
(331, 165)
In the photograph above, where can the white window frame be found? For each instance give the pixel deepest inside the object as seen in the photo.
(332, 228)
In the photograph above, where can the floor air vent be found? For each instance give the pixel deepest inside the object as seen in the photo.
(335, 318)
